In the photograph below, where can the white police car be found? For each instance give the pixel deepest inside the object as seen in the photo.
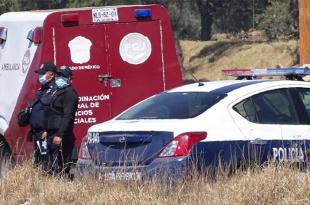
(211, 122)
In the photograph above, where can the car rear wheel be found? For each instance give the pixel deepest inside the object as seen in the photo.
(6, 160)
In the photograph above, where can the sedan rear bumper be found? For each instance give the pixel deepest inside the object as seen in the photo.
(170, 168)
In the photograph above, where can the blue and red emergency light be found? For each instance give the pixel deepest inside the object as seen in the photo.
(248, 73)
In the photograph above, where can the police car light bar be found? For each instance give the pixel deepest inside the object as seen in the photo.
(238, 72)
(289, 73)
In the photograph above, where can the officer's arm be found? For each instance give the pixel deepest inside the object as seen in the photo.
(69, 107)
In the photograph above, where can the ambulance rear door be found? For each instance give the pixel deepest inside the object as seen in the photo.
(136, 62)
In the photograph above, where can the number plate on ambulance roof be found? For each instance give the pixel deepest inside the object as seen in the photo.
(104, 14)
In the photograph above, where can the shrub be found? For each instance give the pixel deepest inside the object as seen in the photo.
(277, 20)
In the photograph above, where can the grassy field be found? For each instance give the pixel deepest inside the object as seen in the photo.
(272, 185)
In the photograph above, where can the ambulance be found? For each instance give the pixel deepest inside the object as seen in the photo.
(119, 55)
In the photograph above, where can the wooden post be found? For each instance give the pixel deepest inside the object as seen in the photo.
(304, 31)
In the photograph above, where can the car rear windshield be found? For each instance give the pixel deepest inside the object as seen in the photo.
(177, 105)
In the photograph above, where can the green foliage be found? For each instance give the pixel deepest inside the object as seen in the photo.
(184, 18)
(25, 5)
(237, 15)
(82, 3)
(5, 5)
(197, 19)
(277, 20)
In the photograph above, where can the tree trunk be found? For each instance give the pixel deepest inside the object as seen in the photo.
(304, 31)
(205, 8)
(295, 13)
(206, 25)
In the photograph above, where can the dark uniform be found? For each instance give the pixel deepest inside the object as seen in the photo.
(61, 121)
(38, 119)
(53, 113)
(40, 108)
(61, 117)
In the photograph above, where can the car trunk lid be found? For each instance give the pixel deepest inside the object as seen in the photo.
(132, 148)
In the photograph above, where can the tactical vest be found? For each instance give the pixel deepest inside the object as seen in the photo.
(55, 114)
(40, 110)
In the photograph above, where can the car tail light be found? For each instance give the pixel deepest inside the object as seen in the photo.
(84, 153)
(182, 144)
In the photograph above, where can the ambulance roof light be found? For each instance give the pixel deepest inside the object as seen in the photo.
(35, 35)
(3, 34)
(289, 73)
(143, 13)
(70, 19)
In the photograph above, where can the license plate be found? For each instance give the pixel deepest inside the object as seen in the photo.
(121, 176)
(104, 15)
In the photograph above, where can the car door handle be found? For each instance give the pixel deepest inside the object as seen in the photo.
(258, 141)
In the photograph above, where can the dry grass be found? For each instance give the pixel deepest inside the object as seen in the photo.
(206, 59)
(272, 185)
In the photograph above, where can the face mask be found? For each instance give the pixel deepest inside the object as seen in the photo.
(42, 79)
(61, 82)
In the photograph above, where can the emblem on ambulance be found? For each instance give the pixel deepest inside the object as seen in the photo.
(80, 49)
(135, 48)
(26, 61)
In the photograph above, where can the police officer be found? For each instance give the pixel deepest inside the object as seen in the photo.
(61, 118)
(40, 106)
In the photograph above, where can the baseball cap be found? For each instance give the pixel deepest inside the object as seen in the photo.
(48, 66)
(64, 71)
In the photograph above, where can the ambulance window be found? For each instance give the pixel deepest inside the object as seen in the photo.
(275, 107)
(247, 110)
(3, 34)
(35, 35)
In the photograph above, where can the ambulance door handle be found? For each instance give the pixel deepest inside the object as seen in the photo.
(104, 78)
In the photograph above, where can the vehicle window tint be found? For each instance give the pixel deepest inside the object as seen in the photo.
(247, 110)
(305, 97)
(179, 105)
(274, 107)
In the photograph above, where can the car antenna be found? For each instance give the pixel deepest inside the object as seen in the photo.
(196, 80)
